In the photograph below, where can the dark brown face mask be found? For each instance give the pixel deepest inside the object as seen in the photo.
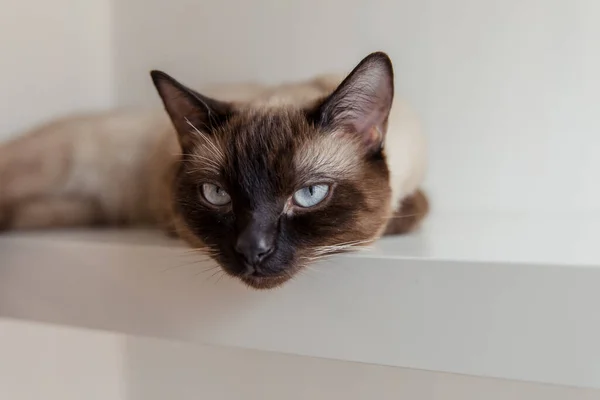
(241, 191)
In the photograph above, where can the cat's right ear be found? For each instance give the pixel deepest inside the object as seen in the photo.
(192, 114)
(361, 104)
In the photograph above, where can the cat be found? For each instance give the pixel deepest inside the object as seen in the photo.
(265, 179)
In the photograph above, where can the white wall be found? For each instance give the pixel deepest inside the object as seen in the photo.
(55, 58)
(508, 90)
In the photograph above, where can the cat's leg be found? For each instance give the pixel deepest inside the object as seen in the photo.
(34, 171)
(52, 213)
(33, 166)
(411, 212)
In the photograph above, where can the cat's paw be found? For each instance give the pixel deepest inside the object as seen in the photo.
(171, 232)
(413, 210)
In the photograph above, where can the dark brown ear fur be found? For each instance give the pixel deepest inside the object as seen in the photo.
(361, 103)
(190, 111)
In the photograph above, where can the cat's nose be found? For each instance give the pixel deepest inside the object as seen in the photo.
(254, 251)
(255, 243)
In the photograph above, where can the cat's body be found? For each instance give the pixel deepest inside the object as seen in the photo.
(120, 167)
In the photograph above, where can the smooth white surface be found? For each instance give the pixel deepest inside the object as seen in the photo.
(48, 362)
(508, 90)
(512, 319)
(55, 59)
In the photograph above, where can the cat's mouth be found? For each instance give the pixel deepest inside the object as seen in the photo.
(268, 276)
(265, 282)
(262, 281)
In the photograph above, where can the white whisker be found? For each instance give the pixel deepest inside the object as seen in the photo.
(406, 216)
(216, 150)
(338, 247)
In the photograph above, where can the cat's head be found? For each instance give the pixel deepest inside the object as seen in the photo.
(268, 190)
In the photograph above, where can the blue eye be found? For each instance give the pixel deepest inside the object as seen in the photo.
(215, 195)
(310, 196)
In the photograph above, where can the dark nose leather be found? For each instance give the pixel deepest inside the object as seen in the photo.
(256, 242)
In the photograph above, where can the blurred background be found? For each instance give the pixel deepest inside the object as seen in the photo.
(508, 91)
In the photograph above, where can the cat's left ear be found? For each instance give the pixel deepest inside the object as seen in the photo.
(192, 113)
(361, 103)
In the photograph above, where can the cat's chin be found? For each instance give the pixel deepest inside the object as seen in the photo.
(265, 282)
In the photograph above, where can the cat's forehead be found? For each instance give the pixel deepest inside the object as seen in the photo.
(278, 149)
(285, 137)
(270, 128)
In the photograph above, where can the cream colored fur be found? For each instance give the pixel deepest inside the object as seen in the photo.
(113, 167)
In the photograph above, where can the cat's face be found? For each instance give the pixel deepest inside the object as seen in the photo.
(268, 191)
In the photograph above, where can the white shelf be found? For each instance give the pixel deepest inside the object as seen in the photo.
(42, 361)
(485, 295)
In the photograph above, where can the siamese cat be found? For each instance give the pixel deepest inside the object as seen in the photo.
(266, 179)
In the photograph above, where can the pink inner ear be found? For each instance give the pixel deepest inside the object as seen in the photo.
(371, 128)
(366, 123)
(373, 136)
